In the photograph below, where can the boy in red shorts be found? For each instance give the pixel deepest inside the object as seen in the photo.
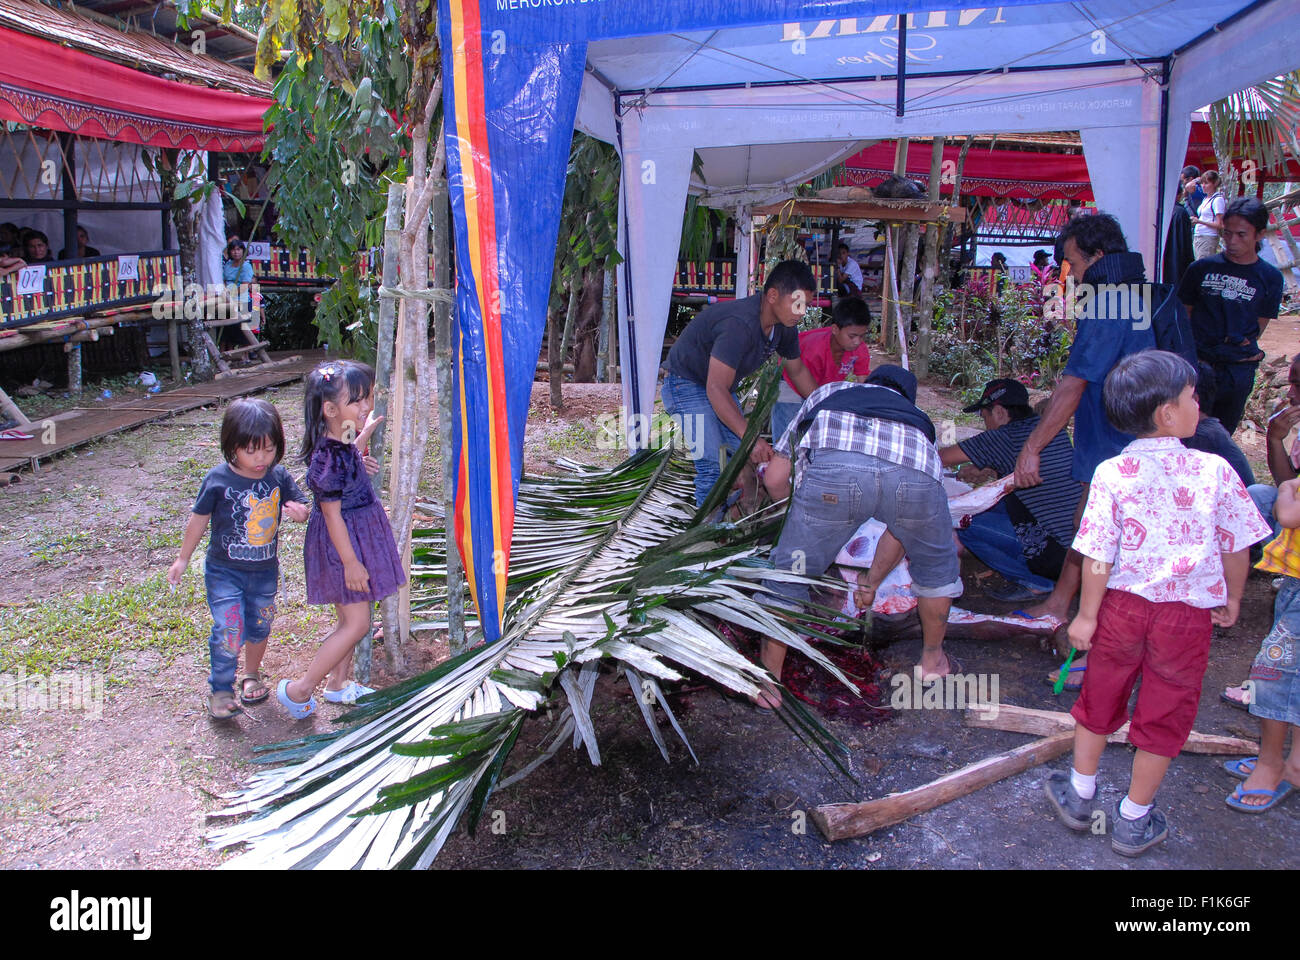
(1165, 538)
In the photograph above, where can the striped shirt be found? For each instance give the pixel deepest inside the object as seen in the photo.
(888, 440)
(1282, 555)
(1054, 501)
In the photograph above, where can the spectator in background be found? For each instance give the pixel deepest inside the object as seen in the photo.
(1178, 242)
(84, 249)
(38, 248)
(999, 265)
(1191, 194)
(1210, 435)
(837, 352)
(1042, 266)
(235, 268)
(1232, 297)
(848, 275)
(9, 240)
(1208, 221)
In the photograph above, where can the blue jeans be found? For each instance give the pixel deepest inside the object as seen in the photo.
(1265, 498)
(839, 492)
(992, 538)
(243, 608)
(689, 402)
(782, 414)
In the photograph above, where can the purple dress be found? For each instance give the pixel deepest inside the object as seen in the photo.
(337, 473)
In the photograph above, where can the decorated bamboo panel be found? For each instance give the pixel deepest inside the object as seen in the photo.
(284, 265)
(48, 291)
(709, 276)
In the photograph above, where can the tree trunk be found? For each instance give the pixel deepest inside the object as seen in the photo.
(929, 272)
(201, 369)
(956, 188)
(907, 279)
(587, 326)
(555, 361)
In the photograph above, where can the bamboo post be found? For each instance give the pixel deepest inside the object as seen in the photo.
(74, 368)
(442, 340)
(173, 350)
(934, 233)
(1043, 723)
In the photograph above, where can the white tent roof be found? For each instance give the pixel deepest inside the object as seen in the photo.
(766, 106)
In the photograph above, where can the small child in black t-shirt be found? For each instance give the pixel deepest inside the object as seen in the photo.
(242, 498)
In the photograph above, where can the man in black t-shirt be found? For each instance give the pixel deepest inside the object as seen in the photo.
(725, 343)
(1232, 297)
(1026, 536)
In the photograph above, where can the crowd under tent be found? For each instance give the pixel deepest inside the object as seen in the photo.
(92, 109)
(664, 80)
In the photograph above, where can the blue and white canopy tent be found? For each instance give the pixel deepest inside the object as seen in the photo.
(804, 81)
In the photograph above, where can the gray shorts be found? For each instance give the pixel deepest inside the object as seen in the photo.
(838, 492)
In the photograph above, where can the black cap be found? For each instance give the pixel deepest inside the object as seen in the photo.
(1009, 393)
(894, 375)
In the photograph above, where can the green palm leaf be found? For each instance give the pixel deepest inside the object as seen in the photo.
(387, 789)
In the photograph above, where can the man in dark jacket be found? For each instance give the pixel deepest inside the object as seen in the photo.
(1114, 319)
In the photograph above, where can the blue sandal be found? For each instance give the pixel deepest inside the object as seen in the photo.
(1277, 796)
(1238, 768)
(1069, 687)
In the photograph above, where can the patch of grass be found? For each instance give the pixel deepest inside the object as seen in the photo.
(98, 627)
(572, 439)
(60, 546)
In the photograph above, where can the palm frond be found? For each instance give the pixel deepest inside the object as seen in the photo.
(1259, 124)
(607, 566)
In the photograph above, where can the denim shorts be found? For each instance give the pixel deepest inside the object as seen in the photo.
(1275, 673)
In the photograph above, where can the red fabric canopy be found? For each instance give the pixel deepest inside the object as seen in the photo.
(46, 85)
(987, 173)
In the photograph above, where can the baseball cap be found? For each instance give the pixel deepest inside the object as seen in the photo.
(1009, 393)
(892, 374)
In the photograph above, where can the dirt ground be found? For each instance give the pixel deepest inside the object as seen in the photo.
(83, 548)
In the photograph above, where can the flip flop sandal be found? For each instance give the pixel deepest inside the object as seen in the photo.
(298, 711)
(243, 689)
(13, 433)
(222, 706)
(1277, 796)
(349, 694)
(1238, 768)
(1069, 687)
(1233, 702)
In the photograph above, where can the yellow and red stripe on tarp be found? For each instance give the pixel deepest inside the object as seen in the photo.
(502, 285)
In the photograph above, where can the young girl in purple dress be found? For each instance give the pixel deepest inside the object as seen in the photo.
(350, 555)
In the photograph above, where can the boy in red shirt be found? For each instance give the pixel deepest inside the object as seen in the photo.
(1165, 537)
(831, 354)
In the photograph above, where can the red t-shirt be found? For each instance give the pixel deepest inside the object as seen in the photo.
(815, 352)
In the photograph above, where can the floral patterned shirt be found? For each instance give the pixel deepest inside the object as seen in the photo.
(1162, 514)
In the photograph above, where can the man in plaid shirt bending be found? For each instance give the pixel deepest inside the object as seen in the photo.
(860, 451)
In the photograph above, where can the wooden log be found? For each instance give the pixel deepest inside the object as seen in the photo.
(1049, 722)
(839, 821)
(259, 368)
(11, 410)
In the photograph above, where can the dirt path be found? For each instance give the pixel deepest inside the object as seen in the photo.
(82, 549)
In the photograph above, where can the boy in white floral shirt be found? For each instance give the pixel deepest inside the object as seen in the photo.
(1165, 537)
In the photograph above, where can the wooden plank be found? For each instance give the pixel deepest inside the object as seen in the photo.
(839, 821)
(894, 211)
(1049, 722)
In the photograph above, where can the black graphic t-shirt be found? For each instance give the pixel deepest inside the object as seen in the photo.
(1228, 300)
(245, 515)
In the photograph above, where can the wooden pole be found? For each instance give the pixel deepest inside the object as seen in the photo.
(442, 342)
(173, 350)
(839, 821)
(384, 345)
(1050, 722)
(934, 234)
